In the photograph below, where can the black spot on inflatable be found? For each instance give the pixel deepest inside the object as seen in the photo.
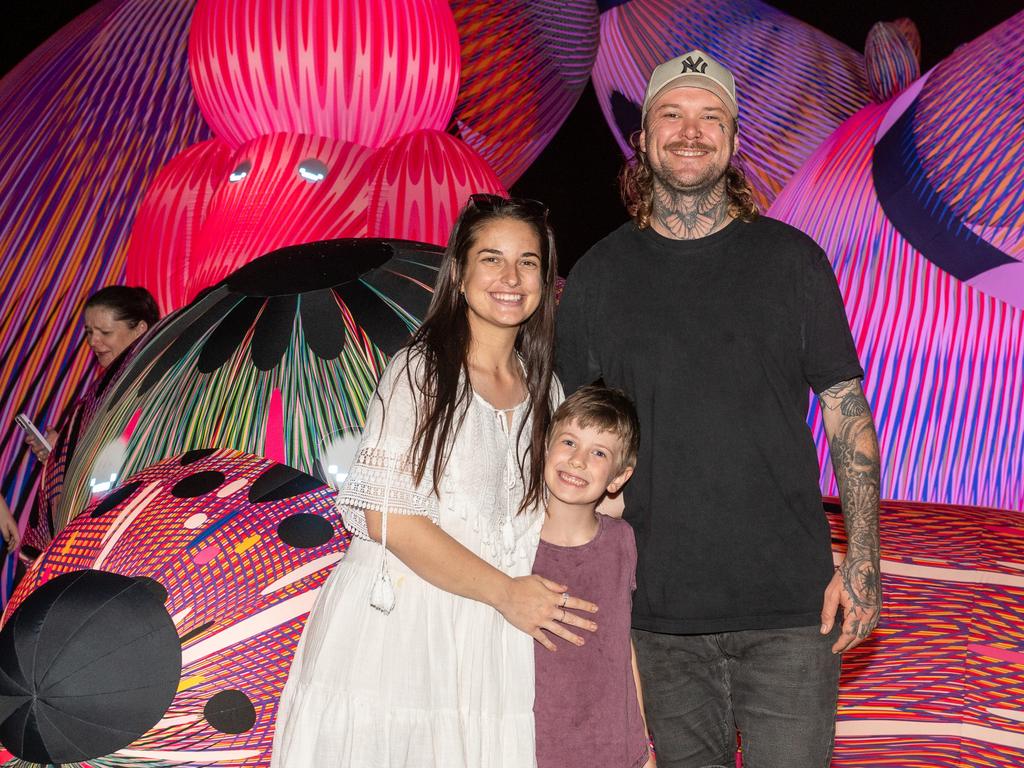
(198, 454)
(197, 484)
(89, 662)
(114, 498)
(281, 482)
(230, 712)
(304, 530)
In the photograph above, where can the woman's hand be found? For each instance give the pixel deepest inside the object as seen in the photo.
(9, 528)
(38, 448)
(534, 604)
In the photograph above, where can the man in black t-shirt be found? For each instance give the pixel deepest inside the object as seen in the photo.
(717, 322)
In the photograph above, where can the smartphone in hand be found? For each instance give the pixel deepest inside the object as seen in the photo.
(26, 424)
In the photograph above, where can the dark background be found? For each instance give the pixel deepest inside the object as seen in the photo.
(575, 175)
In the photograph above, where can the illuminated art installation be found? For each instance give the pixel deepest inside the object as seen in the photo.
(279, 360)
(81, 134)
(938, 684)
(224, 553)
(524, 65)
(795, 84)
(89, 118)
(920, 204)
(349, 139)
(918, 199)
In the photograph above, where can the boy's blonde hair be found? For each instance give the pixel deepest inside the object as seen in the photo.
(607, 410)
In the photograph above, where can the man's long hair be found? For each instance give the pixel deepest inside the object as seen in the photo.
(636, 185)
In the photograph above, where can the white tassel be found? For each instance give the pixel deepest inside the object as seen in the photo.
(508, 535)
(382, 596)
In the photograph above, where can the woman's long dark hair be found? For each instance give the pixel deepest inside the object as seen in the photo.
(444, 337)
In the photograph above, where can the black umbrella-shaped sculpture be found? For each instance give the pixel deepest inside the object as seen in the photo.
(88, 663)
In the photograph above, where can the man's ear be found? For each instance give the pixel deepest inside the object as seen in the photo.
(620, 480)
(641, 142)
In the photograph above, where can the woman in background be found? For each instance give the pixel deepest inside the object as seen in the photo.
(116, 316)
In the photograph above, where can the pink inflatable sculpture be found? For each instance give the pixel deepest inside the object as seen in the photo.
(321, 109)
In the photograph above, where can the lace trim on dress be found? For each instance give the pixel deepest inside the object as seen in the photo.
(367, 487)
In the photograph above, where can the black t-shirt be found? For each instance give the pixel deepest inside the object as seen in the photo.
(717, 341)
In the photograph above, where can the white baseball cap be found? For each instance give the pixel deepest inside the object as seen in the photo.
(697, 70)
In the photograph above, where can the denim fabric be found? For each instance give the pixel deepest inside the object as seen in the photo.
(778, 687)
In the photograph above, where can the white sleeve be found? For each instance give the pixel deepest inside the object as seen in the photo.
(383, 473)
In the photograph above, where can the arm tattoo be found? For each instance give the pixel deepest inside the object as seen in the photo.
(854, 448)
(691, 215)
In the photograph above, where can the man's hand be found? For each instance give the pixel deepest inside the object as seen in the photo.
(853, 444)
(859, 590)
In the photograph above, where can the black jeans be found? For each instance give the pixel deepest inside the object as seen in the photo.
(778, 687)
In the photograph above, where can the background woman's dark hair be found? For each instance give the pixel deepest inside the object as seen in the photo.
(443, 340)
(133, 305)
(636, 186)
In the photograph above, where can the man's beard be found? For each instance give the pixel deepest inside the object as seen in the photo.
(674, 184)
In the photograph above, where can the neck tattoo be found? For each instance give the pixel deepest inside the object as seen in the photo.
(690, 215)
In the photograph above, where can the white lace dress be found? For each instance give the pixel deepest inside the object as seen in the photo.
(441, 680)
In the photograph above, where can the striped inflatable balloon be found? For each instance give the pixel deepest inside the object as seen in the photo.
(889, 60)
(363, 71)
(85, 122)
(421, 181)
(944, 362)
(170, 218)
(283, 189)
(524, 65)
(795, 85)
(968, 136)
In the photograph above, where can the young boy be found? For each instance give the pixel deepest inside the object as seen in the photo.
(589, 707)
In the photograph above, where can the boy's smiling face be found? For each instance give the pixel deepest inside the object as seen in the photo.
(582, 464)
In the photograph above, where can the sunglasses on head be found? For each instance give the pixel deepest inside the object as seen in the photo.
(487, 202)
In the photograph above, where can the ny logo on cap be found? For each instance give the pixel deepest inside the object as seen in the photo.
(689, 65)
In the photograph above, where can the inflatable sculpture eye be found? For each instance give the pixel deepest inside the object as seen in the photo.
(337, 453)
(312, 170)
(241, 171)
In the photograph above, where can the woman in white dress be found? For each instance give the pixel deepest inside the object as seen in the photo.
(418, 651)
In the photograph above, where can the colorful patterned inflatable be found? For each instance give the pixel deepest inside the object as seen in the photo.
(928, 259)
(236, 547)
(85, 122)
(939, 684)
(278, 360)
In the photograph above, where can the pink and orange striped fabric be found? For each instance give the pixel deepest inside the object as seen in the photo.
(524, 65)
(364, 71)
(85, 122)
(940, 683)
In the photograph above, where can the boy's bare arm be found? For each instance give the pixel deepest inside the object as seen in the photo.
(651, 762)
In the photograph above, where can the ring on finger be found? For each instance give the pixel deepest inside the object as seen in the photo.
(565, 599)
(563, 615)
